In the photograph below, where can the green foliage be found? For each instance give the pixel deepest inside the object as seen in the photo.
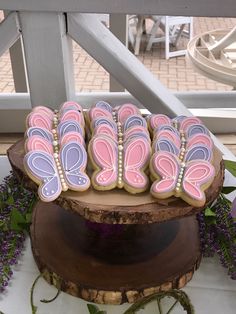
(230, 166)
(93, 309)
(228, 189)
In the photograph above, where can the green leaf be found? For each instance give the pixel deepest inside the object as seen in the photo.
(209, 212)
(10, 200)
(230, 166)
(34, 309)
(28, 217)
(17, 220)
(93, 309)
(228, 189)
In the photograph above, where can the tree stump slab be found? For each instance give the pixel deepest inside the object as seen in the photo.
(118, 206)
(113, 264)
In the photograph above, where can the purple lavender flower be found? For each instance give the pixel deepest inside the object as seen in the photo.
(233, 209)
(12, 197)
(219, 235)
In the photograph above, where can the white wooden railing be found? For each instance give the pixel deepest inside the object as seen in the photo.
(47, 28)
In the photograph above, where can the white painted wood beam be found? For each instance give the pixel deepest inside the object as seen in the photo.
(88, 32)
(193, 100)
(158, 7)
(18, 67)
(118, 25)
(208, 99)
(18, 64)
(48, 57)
(9, 32)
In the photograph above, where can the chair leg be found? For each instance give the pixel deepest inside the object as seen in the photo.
(138, 35)
(178, 34)
(167, 41)
(153, 34)
(191, 28)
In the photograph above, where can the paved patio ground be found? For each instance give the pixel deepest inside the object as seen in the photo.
(176, 73)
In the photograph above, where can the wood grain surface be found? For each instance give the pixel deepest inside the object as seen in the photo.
(118, 206)
(94, 263)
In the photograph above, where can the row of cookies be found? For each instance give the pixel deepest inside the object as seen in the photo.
(119, 148)
(56, 157)
(181, 164)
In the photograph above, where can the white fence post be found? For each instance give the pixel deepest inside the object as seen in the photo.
(17, 64)
(119, 27)
(48, 53)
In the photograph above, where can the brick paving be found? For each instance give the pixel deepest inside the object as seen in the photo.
(176, 73)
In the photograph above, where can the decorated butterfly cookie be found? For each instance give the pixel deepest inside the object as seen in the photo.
(185, 180)
(58, 172)
(119, 166)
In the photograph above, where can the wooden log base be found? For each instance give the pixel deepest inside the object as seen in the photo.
(83, 257)
(118, 206)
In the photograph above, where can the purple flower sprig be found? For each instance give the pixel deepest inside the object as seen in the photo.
(217, 226)
(15, 212)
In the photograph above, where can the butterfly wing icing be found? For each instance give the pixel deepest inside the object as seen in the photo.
(136, 156)
(37, 143)
(42, 169)
(134, 120)
(97, 112)
(157, 120)
(105, 129)
(125, 111)
(165, 167)
(44, 110)
(198, 177)
(196, 129)
(72, 115)
(74, 160)
(168, 128)
(44, 133)
(104, 105)
(104, 121)
(187, 122)
(70, 105)
(173, 137)
(72, 137)
(199, 139)
(164, 144)
(198, 152)
(39, 119)
(69, 126)
(103, 151)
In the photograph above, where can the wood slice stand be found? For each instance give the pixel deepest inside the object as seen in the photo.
(113, 247)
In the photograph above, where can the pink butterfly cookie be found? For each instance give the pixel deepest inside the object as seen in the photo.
(119, 166)
(185, 180)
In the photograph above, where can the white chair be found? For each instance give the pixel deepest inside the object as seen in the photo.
(173, 27)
